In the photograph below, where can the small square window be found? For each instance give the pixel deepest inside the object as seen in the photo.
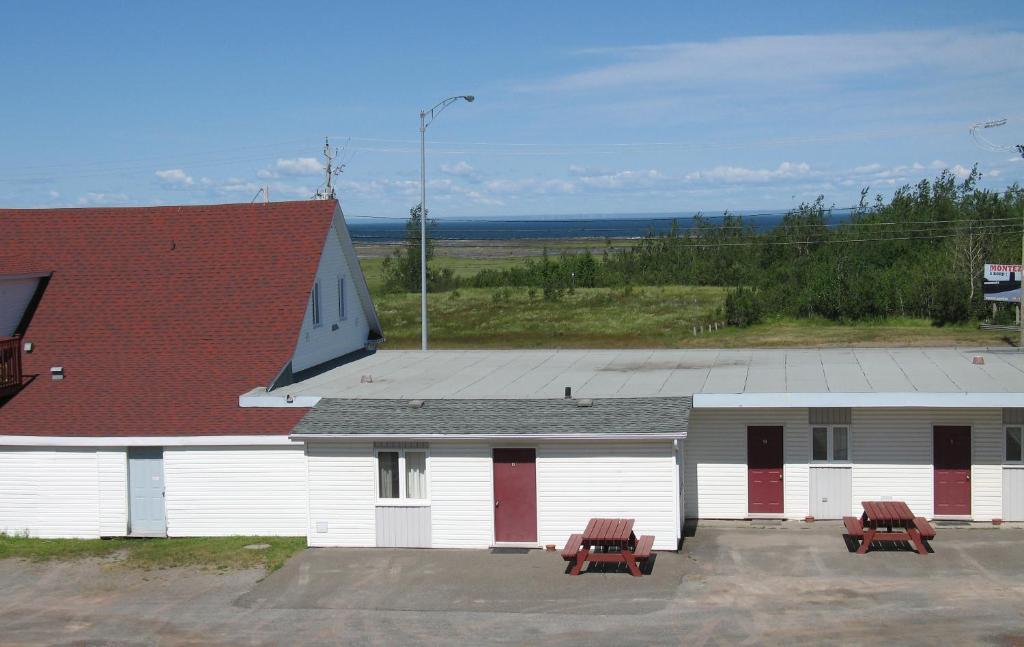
(819, 444)
(840, 444)
(1013, 445)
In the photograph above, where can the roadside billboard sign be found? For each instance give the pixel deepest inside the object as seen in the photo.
(1002, 282)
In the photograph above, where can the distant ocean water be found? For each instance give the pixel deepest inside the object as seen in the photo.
(583, 226)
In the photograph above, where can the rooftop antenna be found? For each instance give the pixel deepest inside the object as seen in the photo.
(988, 144)
(326, 190)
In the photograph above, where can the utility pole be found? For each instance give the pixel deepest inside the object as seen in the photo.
(1003, 148)
(326, 191)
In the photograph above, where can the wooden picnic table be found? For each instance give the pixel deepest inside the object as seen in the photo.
(889, 520)
(608, 540)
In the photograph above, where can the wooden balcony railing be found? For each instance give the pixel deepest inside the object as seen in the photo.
(10, 363)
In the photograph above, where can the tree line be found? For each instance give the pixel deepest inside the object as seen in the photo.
(920, 255)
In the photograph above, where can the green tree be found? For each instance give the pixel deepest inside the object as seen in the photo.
(401, 270)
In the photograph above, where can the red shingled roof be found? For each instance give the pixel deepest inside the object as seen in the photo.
(161, 316)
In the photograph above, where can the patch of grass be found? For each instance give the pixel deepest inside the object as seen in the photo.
(41, 550)
(461, 267)
(221, 553)
(588, 318)
(638, 317)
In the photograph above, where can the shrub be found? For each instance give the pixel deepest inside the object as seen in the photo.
(502, 295)
(950, 303)
(743, 307)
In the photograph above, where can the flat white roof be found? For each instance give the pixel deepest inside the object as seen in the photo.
(850, 375)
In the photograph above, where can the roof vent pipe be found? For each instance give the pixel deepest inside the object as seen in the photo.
(568, 393)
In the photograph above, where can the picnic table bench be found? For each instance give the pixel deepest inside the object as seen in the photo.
(888, 520)
(608, 540)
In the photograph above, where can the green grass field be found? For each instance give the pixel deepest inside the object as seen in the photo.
(644, 317)
(220, 553)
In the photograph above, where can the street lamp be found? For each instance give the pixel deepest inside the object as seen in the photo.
(426, 118)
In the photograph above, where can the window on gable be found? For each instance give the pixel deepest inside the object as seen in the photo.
(1014, 444)
(316, 303)
(341, 297)
(830, 443)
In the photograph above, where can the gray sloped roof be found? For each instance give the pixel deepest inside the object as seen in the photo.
(604, 418)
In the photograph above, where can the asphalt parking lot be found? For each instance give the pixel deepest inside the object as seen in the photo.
(730, 584)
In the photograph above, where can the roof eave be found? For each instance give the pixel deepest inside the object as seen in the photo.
(909, 400)
(517, 437)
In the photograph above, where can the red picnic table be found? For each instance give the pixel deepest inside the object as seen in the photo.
(888, 520)
(608, 540)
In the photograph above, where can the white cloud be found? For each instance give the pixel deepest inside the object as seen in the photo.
(100, 199)
(739, 174)
(765, 60)
(175, 177)
(960, 171)
(460, 169)
(296, 167)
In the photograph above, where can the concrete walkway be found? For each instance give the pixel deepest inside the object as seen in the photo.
(796, 585)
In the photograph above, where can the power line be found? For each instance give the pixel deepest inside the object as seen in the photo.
(762, 239)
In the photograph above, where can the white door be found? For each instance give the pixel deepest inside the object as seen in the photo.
(146, 491)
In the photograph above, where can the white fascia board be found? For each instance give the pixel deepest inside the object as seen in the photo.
(911, 400)
(517, 437)
(140, 441)
(261, 398)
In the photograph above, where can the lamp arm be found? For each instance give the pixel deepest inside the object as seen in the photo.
(432, 114)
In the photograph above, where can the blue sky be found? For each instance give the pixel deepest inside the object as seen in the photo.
(587, 107)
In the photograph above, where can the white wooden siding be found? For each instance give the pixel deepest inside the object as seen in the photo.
(894, 457)
(341, 493)
(578, 481)
(112, 476)
(891, 452)
(715, 461)
(49, 493)
(217, 491)
(321, 343)
(461, 495)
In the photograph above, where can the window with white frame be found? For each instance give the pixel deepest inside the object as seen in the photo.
(830, 444)
(341, 298)
(402, 476)
(316, 304)
(1014, 444)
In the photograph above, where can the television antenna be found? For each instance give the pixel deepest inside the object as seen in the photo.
(326, 190)
(989, 145)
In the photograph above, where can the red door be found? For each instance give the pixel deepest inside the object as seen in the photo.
(764, 470)
(952, 471)
(515, 495)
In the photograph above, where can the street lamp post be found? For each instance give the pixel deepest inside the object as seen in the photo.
(426, 118)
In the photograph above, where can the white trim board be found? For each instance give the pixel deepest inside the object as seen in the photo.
(259, 397)
(141, 441)
(913, 400)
